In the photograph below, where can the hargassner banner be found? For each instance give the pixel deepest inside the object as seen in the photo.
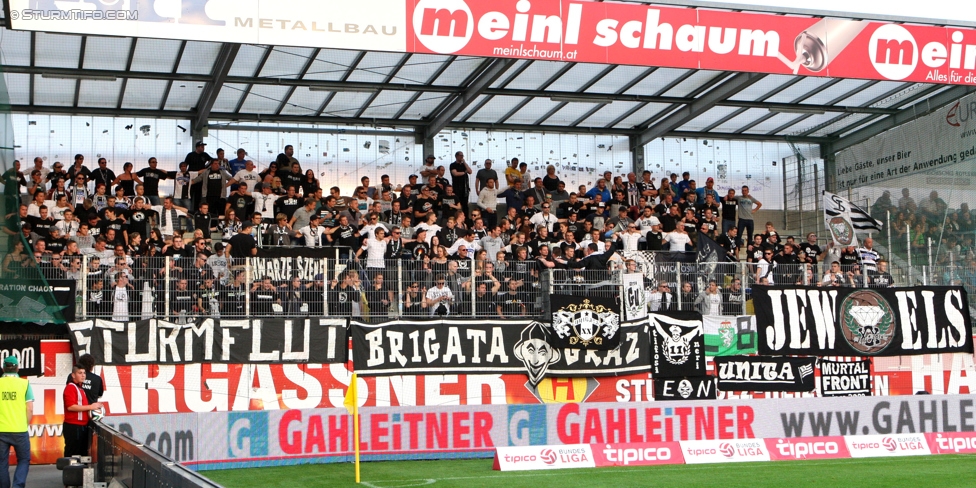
(261, 437)
(555, 30)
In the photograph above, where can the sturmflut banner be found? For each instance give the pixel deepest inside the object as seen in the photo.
(212, 341)
(862, 322)
(486, 347)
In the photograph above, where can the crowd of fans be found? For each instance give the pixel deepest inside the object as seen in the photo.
(465, 241)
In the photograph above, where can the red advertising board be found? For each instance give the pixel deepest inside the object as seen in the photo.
(631, 34)
(786, 449)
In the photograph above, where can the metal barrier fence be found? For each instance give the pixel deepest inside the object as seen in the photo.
(124, 460)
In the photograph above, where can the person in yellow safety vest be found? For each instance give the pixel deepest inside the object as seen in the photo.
(16, 412)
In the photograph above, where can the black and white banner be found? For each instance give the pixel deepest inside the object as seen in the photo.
(589, 323)
(635, 296)
(27, 352)
(677, 344)
(765, 373)
(845, 379)
(212, 341)
(694, 388)
(797, 320)
(453, 346)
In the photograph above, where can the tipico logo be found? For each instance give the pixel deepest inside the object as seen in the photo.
(443, 26)
(893, 52)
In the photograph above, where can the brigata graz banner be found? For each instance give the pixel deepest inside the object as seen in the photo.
(212, 341)
(862, 322)
(493, 346)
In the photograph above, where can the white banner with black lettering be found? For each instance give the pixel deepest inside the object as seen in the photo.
(154, 341)
(635, 296)
(845, 378)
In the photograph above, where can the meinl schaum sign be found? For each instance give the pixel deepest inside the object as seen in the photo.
(212, 340)
(862, 322)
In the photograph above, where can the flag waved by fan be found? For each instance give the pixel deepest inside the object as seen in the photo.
(843, 219)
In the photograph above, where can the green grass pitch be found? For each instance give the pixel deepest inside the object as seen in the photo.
(942, 471)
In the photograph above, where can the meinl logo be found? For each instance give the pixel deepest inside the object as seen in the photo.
(893, 52)
(443, 26)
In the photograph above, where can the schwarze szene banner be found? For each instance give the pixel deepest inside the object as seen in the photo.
(862, 322)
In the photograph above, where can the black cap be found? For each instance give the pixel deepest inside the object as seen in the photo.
(200, 143)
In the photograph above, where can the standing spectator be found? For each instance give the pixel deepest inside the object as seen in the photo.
(77, 414)
(747, 204)
(687, 297)
(242, 245)
(733, 298)
(239, 163)
(16, 412)
(103, 174)
(460, 180)
(709, 302)
(881, 278)
(214, 180)
(197, 161)
(485, 175)
(729, 206)
(439, 297)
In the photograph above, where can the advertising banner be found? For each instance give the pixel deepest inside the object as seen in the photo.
(784, 449)
(552, 30)
(489, 346)
(862, 322)
(729, 335)
(530, 458)
(951, 442)
(589, 323)
(318, 340)
(635, 296)
(694, 388)
(634, 454)
(845, 378)
(678, 344)
(734, 451)
(27, 352)
(765, 373)
(865, 446)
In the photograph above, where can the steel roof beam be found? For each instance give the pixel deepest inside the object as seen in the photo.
(491, 72)
(907, 114)
(687, 113)
(225, 59)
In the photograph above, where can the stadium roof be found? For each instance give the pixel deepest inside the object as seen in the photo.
(209, 81)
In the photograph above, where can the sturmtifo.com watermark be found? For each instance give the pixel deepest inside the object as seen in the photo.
(74, 14)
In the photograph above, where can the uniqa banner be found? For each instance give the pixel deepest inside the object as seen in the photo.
(493, 346)
(590, 323)
(729, 335)
(765, 373)
(212, 341)
(862, 322)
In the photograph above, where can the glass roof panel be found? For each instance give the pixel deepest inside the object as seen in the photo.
(183, 96)
(854, 127)
(107, 52)
(98, 93)
(54, 91)
(870, 93)
(568, 114)
(608, 114)
(509, 74)
(424, 106)
(841, 89)
(229, 97)
(57, 50)
(708, 118)
(761, 88)
(346, 104)
(616, 79)
(458, 71)
(840, 125)
(642, 115)
(799, 89)
(18, 87)
(577, 76)
(199, 57)
(808, 123)
(532, 111)
(694, 82)
(145, 94)
(742, 119)
(897, 99)
(773, 122)
(656, 81)
(376, 67)
(471, 107)
(387, 104)
(247, 60)
(155, 55)
(15, 46)
(419, 68)
(286, 62)
(938, 90)
(331, 65)
(535, 75)
(264, 99)
(496, 108)
(304, 102)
